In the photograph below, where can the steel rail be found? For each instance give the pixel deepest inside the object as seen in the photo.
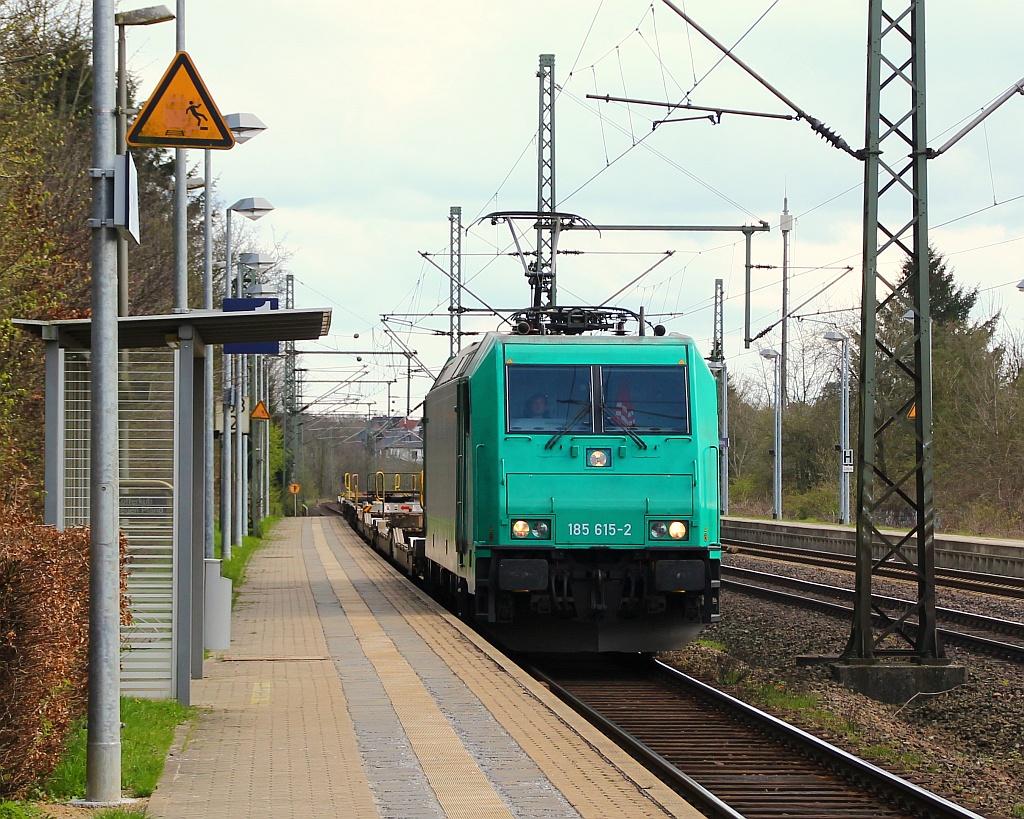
(970, 619)
(907, 793)
(687, 785)
(1008, 651)
(729, 763)
(995, 584)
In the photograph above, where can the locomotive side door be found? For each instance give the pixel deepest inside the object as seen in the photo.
(463, 475)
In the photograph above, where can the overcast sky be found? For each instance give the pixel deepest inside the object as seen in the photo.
(381, 116)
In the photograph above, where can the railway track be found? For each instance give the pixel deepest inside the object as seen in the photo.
(995, 584)
(985, 635)
(728, 758)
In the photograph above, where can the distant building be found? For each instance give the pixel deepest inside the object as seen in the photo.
(396, 437)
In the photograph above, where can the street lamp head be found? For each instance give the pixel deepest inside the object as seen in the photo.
(192, 183)
(252, 207)
(769, 353)
(143, 17)
(835, 335)
(1020, 286)
(244, 126)
(257, 261)
(261, 290)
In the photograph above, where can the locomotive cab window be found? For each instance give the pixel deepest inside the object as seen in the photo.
(651, 399)
(549, 398)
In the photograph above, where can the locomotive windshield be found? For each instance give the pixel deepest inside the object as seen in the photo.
(549, 398)
(610, 399)
(645, 399)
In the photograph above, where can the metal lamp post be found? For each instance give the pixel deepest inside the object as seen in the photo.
(103, 755)
(776, 437)
(259, 492)
(103, 745)
(136, 17)
(232, 518)
(244, 127)
(845, 453)
(249, 266)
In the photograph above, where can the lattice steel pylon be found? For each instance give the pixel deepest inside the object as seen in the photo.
(718, 339)
(894, 483)
(541, 273)
(455, 281)
(721, 371)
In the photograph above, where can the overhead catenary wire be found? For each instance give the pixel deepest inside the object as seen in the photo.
(668, 255)
(817, 125)
(642, 142)
(725, 52)
(615, 50)
(425, 297)
(632, 136)
(657, 50)
(586, 37)
(470, 292)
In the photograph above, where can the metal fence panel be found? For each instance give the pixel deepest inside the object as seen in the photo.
(146, 433)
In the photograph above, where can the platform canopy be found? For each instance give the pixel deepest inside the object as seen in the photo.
(212, 326)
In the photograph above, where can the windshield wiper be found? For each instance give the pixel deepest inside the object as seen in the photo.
(640, 442)
(554, 439)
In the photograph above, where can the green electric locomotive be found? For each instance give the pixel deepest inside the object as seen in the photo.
(572, 490)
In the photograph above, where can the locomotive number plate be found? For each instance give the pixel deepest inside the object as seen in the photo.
(600, 529)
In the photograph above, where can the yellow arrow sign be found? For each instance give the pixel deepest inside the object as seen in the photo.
(260, 413)
(181, 113)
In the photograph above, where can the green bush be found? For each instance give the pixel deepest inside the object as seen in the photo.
(818, 504)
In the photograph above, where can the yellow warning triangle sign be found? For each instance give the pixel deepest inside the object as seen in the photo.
(180, 113)
(260, 412)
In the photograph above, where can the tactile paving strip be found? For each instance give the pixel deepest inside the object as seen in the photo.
(511, 773)
(399, 786)
(596, 777)
(457, 781)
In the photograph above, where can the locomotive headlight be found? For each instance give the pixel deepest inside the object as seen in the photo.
(537, 529)
(677, 529)
(599, 457)
(662, 529)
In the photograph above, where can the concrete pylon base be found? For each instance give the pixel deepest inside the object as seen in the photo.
(897, 683)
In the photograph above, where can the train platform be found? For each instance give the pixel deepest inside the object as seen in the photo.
(348, 693)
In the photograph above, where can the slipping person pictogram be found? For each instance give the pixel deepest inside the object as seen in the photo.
(193, 109)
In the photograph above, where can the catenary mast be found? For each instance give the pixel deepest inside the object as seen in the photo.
(542, 271)
(455, 281)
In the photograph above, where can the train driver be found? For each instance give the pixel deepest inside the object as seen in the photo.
(537, 406)
(531, 412)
